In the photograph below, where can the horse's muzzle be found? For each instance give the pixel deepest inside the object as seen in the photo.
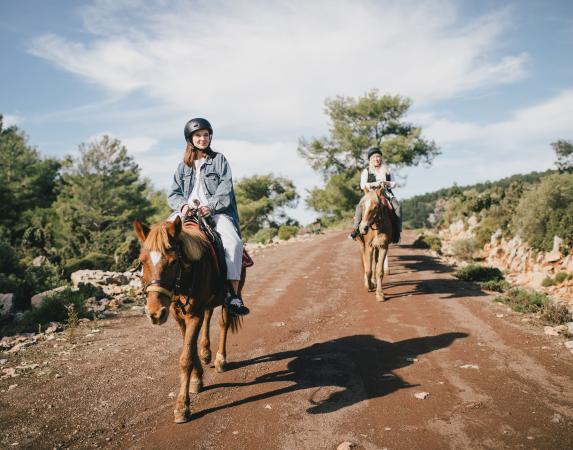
(159, 318)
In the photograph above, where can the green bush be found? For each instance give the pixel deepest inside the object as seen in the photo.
(428, 241)
(484, 230)
(522, 300)
(547, 211)
(43, 278)
(265, 235)
(126, 255)
(287, 231)
(52, 309)
(92, 261)
(561, 277)
(465, 249)
(548, 281)
(495, 285)
(478, 273)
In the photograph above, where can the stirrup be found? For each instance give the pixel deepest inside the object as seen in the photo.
(355, 233)
(235, 306)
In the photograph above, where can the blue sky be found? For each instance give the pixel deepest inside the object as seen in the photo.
(491, 82)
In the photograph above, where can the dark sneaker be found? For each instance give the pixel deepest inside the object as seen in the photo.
(236, 307)
(355, 233)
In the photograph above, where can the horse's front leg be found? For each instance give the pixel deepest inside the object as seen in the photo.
(367, 263)
(221, 358)
(204, 341)
(382, 252)
(189, 366)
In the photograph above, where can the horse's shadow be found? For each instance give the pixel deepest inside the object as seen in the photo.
(340, 372)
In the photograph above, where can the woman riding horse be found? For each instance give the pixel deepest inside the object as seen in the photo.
(374, 176)
(204, 178)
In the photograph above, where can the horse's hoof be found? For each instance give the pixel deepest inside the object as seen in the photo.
(182, 416)
(206, 357)
(220, 363)
(195, 386)
(380, 297)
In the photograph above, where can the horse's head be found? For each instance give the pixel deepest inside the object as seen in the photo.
(370, 210)
(160, 258)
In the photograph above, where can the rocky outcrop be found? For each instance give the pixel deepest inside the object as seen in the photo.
(6, 304)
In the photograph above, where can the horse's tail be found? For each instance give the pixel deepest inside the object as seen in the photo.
(235, 323)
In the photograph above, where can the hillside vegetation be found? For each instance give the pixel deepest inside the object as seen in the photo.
(536, 206)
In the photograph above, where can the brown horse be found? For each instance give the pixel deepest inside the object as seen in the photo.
(181, 276)
(375, 237)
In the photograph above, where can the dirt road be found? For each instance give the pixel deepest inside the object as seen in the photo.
(318, 362)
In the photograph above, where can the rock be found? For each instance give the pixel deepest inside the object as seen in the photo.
(557, 418)
(569, 345)
(422, 395)
(550, 331)
(268, 407)
(6, 304)
(54, 327)
(12, 386)
(470, 366)
(37, 299)
(570, 327)
(40, 261)
(138, 309)
(346, 445)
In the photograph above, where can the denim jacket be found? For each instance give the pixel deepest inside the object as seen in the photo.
(217, 183)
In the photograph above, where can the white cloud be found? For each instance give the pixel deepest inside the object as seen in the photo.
(10, 120)
(544, 122)
(479, 152)
(134, 144)
(270, 65)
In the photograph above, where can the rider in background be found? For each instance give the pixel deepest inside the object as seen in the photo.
(372, 177)
(205, 176)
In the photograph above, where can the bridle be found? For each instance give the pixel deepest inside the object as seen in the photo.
(157, 285)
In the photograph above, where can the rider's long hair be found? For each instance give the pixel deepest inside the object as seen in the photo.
(191, 154)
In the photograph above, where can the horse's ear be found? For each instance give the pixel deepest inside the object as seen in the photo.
(141, 231)
(174, 227)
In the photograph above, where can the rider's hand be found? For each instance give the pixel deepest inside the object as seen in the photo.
(204, 211)
(184, 209)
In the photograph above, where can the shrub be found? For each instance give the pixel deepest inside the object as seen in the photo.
(547, 211)
(91, 261)
(287, 231)
(427, 241)
(265, 235)
(483, 231)
(548, 281)
(126, 255)
(478, 273)
(561, 277)
(54, 308)
(522, 300)
(556, 314)
(465, 249)
(495, 285)
(43, 278)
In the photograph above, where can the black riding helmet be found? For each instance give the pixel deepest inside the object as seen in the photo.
(372, 151)
(196, 125)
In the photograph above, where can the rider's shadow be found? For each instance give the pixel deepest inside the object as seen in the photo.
(340, 372)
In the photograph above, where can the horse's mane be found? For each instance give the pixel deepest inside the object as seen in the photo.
(193, 242)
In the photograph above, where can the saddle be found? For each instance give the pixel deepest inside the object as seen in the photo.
(216, 249)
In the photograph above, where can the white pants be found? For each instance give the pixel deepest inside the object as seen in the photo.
(231, 243)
